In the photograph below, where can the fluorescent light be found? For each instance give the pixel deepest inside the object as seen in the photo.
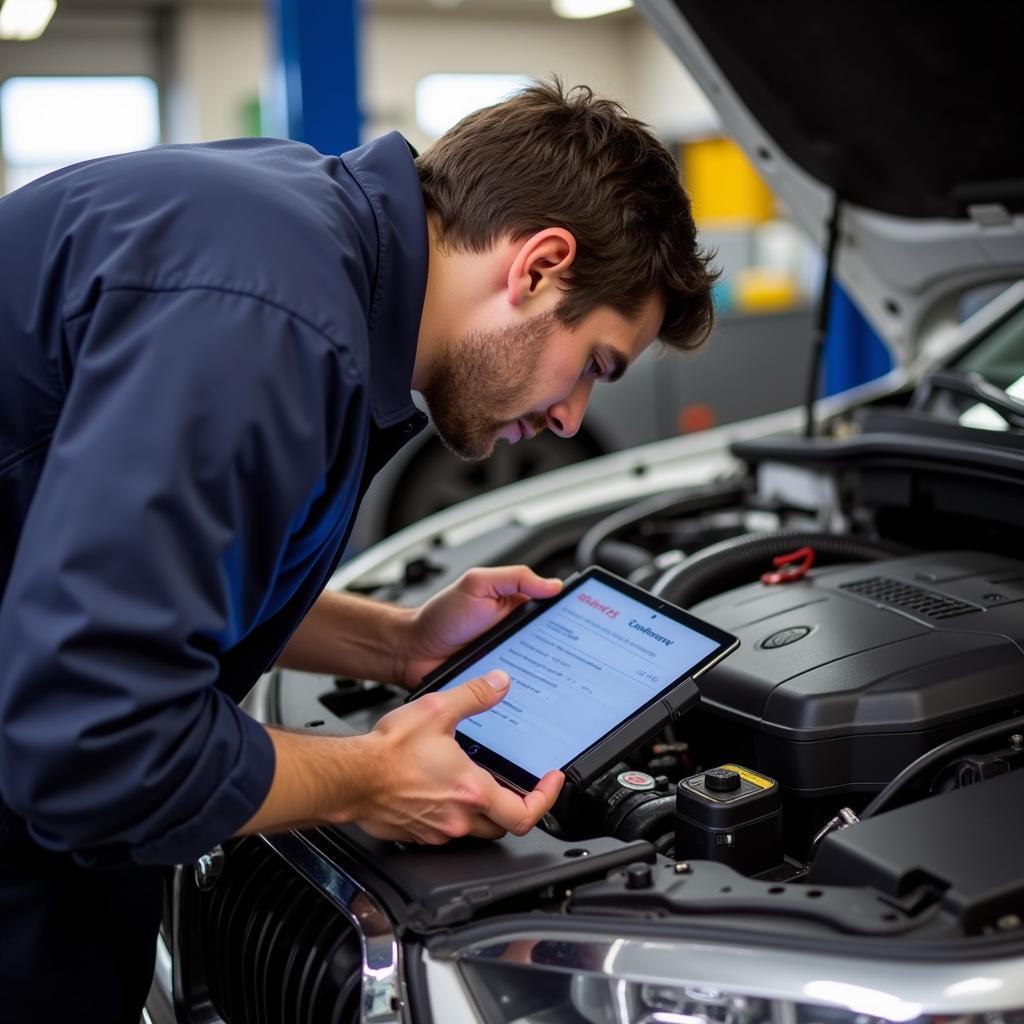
(588, 8)
(25, 19)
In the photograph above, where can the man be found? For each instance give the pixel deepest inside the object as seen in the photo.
(205, 354)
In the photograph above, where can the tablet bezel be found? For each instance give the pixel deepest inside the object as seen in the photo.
(521, 779)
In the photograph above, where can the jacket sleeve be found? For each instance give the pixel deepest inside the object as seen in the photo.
(193, 437)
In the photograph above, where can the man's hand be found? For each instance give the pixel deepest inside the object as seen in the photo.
(426, 790)
(462, 611)
(407, 779)
(345, 634)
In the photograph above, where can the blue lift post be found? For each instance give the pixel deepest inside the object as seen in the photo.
(318, 50)
(854, 353)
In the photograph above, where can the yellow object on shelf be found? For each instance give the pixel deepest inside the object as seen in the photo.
(763, 290)
(724, 187)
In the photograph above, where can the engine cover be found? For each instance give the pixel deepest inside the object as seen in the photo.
(846, 676)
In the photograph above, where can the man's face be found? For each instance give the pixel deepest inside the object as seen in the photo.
(509, 383)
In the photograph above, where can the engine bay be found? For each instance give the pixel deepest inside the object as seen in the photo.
(849, 780)
(869, 695)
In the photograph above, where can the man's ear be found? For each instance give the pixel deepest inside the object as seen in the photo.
(540, 264)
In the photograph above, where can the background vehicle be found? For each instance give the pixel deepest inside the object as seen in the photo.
(881, 694)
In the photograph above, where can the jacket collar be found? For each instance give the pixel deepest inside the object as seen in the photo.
(385, 171)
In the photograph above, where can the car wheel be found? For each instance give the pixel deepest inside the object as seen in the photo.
(436, 479)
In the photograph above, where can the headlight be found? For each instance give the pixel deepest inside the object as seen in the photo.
(626, 981)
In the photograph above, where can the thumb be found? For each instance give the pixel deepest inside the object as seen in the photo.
(473, 697)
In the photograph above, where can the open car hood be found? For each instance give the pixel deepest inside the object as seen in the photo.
(910, 115)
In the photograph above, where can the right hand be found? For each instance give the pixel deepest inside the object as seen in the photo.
(425, 789)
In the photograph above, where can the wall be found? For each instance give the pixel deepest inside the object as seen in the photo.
(663, 93)
(100, 44)
(218, 58)
(618, 56)
(222, 57)
(213, 59)
(401, 49)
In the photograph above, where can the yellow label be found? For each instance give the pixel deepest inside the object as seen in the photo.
(755, 780)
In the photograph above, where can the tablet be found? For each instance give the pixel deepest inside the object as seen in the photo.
(595, 671)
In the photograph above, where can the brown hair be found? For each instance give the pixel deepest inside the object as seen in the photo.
(552, 157)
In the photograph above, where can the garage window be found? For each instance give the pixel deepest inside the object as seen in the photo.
(443, 100)
(47, 123)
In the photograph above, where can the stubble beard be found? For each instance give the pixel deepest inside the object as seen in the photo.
(482, 383)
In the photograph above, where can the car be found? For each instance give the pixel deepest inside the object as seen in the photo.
(868, 551)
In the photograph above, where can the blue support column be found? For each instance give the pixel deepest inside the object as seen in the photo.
(318, 49)
(854, 353)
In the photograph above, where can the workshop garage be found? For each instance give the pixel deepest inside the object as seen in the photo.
(370, 652)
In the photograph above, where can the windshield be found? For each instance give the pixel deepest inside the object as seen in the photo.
(999, 356)
(996, 361)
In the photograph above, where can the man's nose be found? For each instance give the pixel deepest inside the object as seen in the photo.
(565, 417)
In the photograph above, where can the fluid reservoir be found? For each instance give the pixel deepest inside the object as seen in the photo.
(730, 815)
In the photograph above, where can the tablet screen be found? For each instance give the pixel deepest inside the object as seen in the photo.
(589, 661)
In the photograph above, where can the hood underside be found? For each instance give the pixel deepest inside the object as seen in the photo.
(910, 116)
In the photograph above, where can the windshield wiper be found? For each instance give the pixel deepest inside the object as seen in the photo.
(972, 385)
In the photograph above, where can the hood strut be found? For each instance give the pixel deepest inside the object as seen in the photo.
(821, 320)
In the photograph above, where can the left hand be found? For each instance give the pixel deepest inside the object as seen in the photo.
(462, 611)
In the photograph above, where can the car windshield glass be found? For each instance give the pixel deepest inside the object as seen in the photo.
(997, 360)
(999, 357)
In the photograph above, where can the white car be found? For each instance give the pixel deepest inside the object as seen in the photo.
(873, 717)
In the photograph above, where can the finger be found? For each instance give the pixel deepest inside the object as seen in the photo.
(508, 580)
(421, 835)
(470, 698)
(518, 813)
(483, 828)
(551, 785)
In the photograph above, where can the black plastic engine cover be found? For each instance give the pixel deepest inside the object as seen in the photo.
(846, 676)
(965, 845)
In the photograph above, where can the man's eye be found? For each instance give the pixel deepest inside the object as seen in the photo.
(594, 368)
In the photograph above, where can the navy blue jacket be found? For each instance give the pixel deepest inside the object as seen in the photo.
(205, 354)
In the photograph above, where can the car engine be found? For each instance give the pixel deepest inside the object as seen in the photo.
(851, 770)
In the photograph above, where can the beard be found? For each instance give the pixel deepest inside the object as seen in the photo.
(482, 383)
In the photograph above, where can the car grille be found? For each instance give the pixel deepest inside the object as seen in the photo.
(275, 950)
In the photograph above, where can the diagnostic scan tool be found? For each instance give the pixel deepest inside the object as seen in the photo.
(595, 671)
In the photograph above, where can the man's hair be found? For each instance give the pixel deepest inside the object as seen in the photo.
(550, 157)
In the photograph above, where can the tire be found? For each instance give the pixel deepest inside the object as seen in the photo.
(436, 479)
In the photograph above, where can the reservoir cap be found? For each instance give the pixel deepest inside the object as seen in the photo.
(721, 780)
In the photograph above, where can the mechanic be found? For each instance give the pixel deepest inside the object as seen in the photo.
(206, 352)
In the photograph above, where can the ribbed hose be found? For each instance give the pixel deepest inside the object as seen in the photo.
(649, 820)
(687, 501)
(739, 560)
